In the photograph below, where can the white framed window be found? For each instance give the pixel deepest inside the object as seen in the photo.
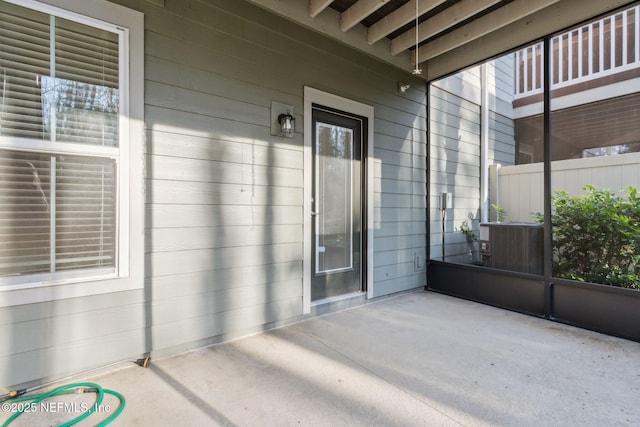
(71, 149)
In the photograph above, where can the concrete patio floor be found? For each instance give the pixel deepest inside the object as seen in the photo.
(418, 359)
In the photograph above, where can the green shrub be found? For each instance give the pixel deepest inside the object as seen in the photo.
(596, 237)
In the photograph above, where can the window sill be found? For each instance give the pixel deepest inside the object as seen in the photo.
(47, 291)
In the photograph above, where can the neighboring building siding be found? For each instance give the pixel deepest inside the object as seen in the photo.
(456, 105)
(501, 125)
(501, 140)
(455, 168)
(500, 76)
(223, 238)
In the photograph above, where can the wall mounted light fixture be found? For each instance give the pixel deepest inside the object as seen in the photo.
(283, 122)
(287, 123)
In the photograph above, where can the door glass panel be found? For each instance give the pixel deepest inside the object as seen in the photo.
(334, 195)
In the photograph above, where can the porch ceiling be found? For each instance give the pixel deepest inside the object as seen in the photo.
(451, 34)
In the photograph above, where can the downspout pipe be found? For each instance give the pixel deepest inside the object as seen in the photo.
(484, 144)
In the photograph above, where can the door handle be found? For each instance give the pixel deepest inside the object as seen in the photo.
(314, 213)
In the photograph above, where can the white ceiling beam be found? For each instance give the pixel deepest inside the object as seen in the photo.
(360, 10)
(399, 17)
(440, 22)
(547, 21)
(327, 23)
(482, 26)
(317, 6)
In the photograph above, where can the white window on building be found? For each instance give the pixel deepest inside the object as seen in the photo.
(70, 131)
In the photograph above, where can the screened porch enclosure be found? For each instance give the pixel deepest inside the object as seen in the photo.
(528, 154)
(152, 203)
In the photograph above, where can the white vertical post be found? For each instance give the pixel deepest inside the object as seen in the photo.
(560, 58)
(552, 64)
(624, 38)
(636, 37)
(580, 52)
(601, 41)
(590, 52)
(526, 70)
(516, 63)
(570, 55)
(534, 69)
(484, 144)
(612, 38)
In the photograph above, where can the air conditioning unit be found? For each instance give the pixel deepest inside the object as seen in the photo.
(512, 246)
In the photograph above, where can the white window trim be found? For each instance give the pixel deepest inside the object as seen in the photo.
(131, 232)
(315, 96)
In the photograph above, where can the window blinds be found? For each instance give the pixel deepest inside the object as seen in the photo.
(45, 228)
(59, 83)
(24, 57)
(59, 79)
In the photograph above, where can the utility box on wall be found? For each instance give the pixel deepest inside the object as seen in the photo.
(512, 246)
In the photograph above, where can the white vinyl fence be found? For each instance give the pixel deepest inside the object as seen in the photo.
(520, 188)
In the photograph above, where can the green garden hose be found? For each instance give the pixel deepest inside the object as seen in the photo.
(69, 389)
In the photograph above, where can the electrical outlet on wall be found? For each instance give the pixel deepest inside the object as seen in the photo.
(446, 201)
(418, 261)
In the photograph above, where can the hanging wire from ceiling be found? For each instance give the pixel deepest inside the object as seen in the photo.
(416, 70)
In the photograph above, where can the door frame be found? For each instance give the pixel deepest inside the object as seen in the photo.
(315, 96)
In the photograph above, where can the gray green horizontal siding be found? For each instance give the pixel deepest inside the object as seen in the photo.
(45, 341)
(231, 239)
(224, 198)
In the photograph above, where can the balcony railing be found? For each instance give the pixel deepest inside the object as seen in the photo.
(601, 48)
